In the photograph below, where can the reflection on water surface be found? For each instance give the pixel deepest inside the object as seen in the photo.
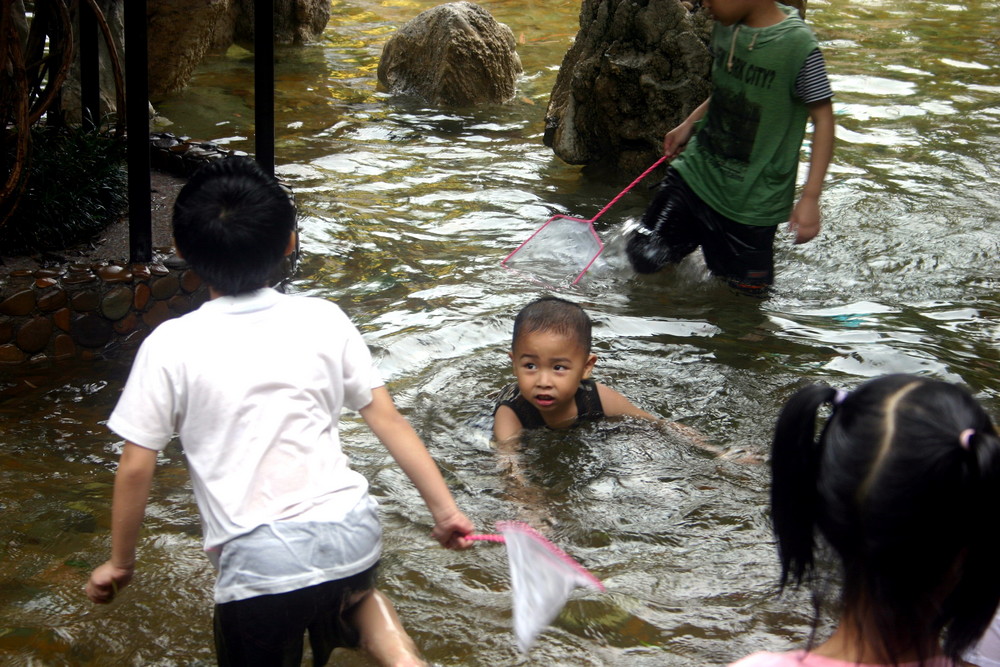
(407, 213)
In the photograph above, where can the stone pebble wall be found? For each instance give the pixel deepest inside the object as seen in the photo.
(86, 311)
(82, 311)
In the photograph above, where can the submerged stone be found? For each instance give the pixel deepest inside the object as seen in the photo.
(34, 335)
(157, 315)
(165, 287)
(85, 301)
(142, 294)
(63, 346)
(11, 354)
(19, 303)
(52, 300)
(91, 330)
(116, 303)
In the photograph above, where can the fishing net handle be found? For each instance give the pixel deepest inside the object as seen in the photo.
(486, 538)
(629, 187)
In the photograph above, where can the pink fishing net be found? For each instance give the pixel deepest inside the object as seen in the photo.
(559, 252)
(542, 577)
(564, 248)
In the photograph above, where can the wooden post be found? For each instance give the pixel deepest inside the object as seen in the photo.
(140, 219)
(263, 66)
(90, 69)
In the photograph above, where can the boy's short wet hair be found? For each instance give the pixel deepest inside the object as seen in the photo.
(554, 315)
(232, 223)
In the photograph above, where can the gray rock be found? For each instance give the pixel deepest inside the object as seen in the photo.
(295, 22)
(180, 33)
(455, 54)
(635, 71)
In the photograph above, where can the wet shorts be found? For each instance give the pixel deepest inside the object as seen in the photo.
(678, 221)
(267, 630)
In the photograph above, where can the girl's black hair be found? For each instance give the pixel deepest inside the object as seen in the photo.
(903, 482)
(232, 223)
(560, 316)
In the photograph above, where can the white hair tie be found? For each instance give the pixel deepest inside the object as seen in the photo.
(965, 437)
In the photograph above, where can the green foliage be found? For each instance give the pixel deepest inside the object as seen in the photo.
(77, 185)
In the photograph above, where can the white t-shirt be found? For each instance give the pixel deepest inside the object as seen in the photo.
(254, 386)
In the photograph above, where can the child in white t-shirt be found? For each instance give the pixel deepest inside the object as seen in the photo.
(254, 383)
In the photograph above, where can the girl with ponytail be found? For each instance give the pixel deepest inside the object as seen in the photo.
(901, 485)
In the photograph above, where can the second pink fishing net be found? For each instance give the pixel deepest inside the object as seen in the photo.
(564, 248)
(542, 577)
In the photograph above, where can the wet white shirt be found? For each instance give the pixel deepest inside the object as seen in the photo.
(254, 387)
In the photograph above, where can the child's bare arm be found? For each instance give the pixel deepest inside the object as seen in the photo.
(408, 450)
(677, 138)
(506, 425)
(805, 219)
(128, 507)
(615, 404)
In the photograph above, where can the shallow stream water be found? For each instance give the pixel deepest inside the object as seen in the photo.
(406, 215)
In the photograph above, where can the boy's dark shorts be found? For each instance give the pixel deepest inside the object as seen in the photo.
(267, 630)
(678, 221)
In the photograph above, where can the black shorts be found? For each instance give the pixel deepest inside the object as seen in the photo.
(678, 221)
(268, 630)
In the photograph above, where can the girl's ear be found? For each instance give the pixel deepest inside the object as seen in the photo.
(292, 240)
(588, 366)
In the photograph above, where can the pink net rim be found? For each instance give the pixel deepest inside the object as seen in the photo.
(520, 527)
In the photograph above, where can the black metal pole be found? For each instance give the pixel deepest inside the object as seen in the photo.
(90, 69)
(263, 67)
(140, 220)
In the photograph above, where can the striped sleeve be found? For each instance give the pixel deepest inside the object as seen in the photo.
(812, 84)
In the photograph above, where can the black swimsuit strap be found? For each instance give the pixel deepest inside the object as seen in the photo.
(588, 405)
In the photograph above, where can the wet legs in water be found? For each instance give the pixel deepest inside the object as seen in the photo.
(382, 634)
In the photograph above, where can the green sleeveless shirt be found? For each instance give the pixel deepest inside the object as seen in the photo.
(743, 158)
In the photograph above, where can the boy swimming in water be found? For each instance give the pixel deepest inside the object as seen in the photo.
(552, 362)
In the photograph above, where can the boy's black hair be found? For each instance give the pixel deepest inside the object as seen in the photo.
(903, 483)
(556, 315)
(232, 223)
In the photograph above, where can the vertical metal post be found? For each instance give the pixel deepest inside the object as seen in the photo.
(140, 220)
(90, 69)
(263, 67)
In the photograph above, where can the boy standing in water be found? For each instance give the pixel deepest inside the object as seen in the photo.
(254, 383)
(552, 363)
(735, 182)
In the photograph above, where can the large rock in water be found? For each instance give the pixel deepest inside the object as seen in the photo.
(181, 32)
(635, 71)
(295, 22)
(452, 55)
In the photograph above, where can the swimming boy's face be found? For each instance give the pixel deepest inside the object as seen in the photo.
(549, 367)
